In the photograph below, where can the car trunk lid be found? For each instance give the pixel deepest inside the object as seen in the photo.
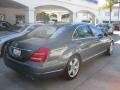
(22, 50)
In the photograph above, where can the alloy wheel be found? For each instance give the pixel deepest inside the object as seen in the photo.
(73, 67)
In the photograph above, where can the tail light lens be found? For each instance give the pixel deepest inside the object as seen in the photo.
(40, 55)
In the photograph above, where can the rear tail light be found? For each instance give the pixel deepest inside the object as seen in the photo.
(40, 55)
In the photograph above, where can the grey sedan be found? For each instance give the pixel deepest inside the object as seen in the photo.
(51, 49)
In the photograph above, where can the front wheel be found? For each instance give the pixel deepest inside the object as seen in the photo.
(110, 49)
(72, 68)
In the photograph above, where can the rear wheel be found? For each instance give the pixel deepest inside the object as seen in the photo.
(72, 68)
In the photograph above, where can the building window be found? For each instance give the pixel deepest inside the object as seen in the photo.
(116, 13)
(20, 19)
(107, 13)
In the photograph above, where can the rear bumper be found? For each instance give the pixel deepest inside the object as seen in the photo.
(32, 70)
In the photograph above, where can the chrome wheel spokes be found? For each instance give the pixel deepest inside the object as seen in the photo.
(73, 67)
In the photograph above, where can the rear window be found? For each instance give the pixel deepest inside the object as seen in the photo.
(47, 31)
(43, 31)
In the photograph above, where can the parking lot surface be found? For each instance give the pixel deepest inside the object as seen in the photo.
(100, 73)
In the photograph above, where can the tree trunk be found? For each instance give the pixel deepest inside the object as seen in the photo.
(110, 14)
(110, 18)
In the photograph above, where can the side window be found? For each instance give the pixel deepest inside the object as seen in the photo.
(95, 31)
(84, 31)
(81, 32)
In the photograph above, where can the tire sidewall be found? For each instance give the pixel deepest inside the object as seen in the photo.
(67, 76)
(109, 50)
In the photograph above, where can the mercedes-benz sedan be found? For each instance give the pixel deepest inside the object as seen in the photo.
(50, 49)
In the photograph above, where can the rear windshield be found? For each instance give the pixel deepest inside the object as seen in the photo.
(46, 31)
(43, 31)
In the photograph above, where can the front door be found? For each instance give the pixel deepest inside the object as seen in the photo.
(100, 39)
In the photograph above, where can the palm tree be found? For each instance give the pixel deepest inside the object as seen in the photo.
(108, 5)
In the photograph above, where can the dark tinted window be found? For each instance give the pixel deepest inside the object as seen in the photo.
(47, 31)
(81, 32)
(43, 31)
(84, 31)
(60, 31)
(95, 30)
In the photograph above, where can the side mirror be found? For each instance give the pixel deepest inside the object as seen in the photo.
(105, 34)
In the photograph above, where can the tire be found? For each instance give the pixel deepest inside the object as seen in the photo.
(110, 49)
(73, 67)
(112, 33)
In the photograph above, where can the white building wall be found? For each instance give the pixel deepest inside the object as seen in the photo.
(10, 14)
(103, 17)
(73, 6)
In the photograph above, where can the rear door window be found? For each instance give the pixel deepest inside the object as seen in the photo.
(84, 31)
(95, 30)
